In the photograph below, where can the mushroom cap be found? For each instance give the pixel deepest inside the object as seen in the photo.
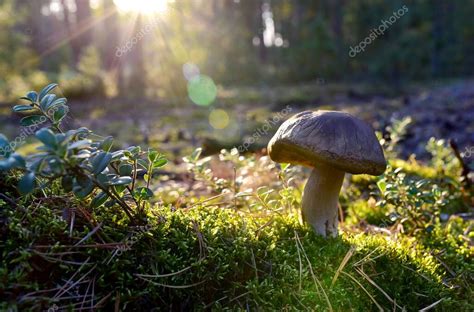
(332, 138)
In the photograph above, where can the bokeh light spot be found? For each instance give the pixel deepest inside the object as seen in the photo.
(190, 71)
(219, 119)
(202, 90)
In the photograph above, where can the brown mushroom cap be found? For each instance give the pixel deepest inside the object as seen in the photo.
(333, 138)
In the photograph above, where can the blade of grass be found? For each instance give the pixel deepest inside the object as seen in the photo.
(344, 261)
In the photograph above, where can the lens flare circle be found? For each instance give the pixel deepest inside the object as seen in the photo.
(219, 119)
(202, 90)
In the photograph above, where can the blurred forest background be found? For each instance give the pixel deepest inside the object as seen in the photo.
(207, 83)
(82, 44)
(210, 72)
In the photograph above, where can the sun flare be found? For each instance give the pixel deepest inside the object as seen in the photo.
(143, 6)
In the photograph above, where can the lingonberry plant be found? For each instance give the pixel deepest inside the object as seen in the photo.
(83, 162)
(416, 204)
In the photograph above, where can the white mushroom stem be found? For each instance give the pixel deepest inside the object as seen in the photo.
(320, 199)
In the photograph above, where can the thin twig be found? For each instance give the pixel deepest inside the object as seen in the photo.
(89, 234)
(8, 200)
(164, 275)
(364, 275)
(434, 304)
(365, 290)
(173, 286)
(465, 168)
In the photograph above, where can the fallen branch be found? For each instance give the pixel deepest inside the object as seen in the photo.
(465, 168)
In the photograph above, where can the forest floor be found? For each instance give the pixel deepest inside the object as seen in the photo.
(444, 111)
(223, 231)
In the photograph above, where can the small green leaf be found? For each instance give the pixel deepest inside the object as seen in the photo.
(121, 181)
(32, 120)
(79, 144)
(143, 193)
(152, 155)
(81, 133)
(103, 179)
(82, 187)
(195, 155)
(120, 188)
(59, 113)
(117, 155)
(5, 165)
(99, 200)
(18, 161)
(27, 183)
(126, 170)
(46, 90)
(47, 137)
(11, 162)
(107, 143)
(284, 166)
(160, 162)
(56, 165)
(382, 185)
(83, 192)
(142, 163)
(100, 162)
(22, 108)
(37, 164)
(32, 96)
(134, 150)
(47, 101)
(57, 102)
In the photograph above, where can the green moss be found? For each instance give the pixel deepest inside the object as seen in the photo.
(216, 258)
(412, 167)
(362, 210)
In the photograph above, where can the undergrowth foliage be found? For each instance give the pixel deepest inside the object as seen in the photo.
(80, 230)
(83, 161)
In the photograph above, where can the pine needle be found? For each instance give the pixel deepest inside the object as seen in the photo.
(344, 261)
(365, 290)
(362, 273)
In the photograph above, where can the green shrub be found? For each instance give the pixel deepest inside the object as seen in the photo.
(83, 162)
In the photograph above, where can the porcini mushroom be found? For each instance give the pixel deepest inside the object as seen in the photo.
(332, 143)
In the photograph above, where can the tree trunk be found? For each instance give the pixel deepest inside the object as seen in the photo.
(337, 7)
(83, 28)
(437, 29)
(111, 28)
(136, 80)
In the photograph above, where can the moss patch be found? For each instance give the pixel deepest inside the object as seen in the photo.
(215, 258)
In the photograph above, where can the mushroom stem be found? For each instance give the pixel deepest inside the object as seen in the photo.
(320, 199)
